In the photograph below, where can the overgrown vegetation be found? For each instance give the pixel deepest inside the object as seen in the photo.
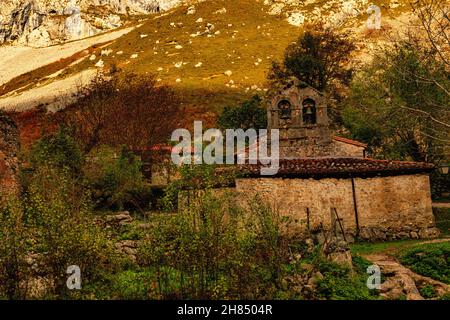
(216, 246)
(49, 227)
(251, 114)
(319, 58)
(442, 218)
(431, 260)
(116, 179)
(122, 109)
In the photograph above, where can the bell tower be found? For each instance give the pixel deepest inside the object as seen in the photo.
(301, 116)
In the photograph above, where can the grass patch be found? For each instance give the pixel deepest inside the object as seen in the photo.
(388, 246)
(431, 260)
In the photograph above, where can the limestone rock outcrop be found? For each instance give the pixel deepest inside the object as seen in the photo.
(40, 23)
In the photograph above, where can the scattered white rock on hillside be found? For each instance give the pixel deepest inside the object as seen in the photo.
(296, 19)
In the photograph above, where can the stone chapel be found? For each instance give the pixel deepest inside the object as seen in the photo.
(326, 182)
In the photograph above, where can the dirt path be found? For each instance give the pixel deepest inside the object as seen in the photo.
(401, 281)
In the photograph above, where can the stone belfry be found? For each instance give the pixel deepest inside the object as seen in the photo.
(301, 116)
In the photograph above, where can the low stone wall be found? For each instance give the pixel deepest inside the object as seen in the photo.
(387, 208)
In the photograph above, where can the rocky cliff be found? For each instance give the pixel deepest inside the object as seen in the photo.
(40, 23)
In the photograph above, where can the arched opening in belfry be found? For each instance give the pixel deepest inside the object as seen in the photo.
(309, 111)
(284, 109)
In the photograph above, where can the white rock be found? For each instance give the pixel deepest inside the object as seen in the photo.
(191, 10)
(93, 57)
(296, 19)
(178, 47)
(221, 11)
(134, 56)
(276, 9)
(178, 64)
(198, 65)
(178, 80)
(199, 20)
(106, 52)
(144, 36)
(228, 73)
(100, 64)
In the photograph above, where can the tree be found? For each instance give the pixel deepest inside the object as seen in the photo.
(59, 150)
(248, 115)
(394, 109)
(319, 58)
(434, 18)
(122, 109)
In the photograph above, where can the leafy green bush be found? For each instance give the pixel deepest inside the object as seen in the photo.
(117, 181)
(215, 250)
(131, 285)
(339, 283)
(442, 217)
(249, 115)
(58, 150)
(59, 215)
(360, 264)
(427, 291)
(14, 244)
(431, 260)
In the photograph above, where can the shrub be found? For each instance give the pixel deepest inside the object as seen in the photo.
(250, 114)
(215, 249)
(122, 109)
(339, 283)
(117, 181)
(131, 285)
(431, 260)
(428, 291)
(60, 218)
(13, 251)
(58, 150)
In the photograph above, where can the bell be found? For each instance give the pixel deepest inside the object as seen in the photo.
(308, 111)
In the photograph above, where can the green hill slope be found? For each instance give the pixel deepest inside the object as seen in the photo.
(220, 54)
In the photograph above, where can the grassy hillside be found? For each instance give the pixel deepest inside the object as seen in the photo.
(244, 40)
(218, 56)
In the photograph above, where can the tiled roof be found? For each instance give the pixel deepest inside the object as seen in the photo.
(326, 167)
